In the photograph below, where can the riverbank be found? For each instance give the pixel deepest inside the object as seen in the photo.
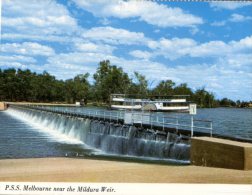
(88, 170)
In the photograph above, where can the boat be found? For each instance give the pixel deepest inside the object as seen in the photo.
(177, 103)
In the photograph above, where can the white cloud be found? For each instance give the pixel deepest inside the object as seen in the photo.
(220, 78)
(239, 18)
(194, 31)
(243, 44)
(105, 21)
(39, 37)
(233, 18)
(147, 11)
(176, 48)
(114, 36)
(141, 54)
(16, 58)
(219, 23)
(239, 62)
(95, 48)
(68, 65)
(171, 48)
(31, 17)
(230, 5)
(16, 61)
(209, 49)
(27, 48)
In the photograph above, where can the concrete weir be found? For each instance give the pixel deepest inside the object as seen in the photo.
(215, 152)
(3, 106)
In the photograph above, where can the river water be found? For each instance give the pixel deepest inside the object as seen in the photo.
(21, 137)
(235, 122)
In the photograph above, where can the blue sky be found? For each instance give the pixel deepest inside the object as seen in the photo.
(204, 44)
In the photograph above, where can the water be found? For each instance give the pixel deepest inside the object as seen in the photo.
(236, 122)
(231, 122)
(34, 134)
(19, 139)
(43, 134)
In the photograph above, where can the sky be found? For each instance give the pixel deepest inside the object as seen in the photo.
(203, 44)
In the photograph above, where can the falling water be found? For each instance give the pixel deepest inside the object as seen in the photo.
(107, 137)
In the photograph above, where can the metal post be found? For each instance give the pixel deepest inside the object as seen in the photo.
(211, 129)
(163, 122)
(176, 124)
(141, 119)
(151, 120)
(192, 126)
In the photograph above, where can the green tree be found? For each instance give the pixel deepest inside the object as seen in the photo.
(24, 90)
(2, 96)
(109, 79)
(139, 86)
(164, 88)
(204, 98)
(227, 102)
(10, 84)
(77, 88)
(183, 89)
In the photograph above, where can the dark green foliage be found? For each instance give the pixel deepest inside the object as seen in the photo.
(225, 102)
(204, 98)
(109, 79)
(24, 85)
(139, 86)
(77, 89)
(164, 88)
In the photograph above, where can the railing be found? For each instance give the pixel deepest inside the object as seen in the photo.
(186, 122)
(76, 111)
(173, 121)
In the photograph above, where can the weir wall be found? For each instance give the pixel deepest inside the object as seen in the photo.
(204, 151)
(215, 152)
(111, 137)
(3, 106)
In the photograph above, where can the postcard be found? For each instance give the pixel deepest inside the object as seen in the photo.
(125, 97)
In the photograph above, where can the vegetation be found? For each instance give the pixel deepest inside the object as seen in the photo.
(24, 85)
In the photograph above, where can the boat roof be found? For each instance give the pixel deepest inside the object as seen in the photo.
(149, 100)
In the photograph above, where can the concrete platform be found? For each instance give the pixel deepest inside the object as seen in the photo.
(215, 152)
(105, 171)
(3, 106)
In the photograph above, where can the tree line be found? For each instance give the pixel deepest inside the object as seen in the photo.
(24, 85)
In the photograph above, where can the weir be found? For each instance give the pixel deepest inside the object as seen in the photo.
(109, 134)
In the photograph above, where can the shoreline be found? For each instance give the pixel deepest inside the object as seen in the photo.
(105, 171)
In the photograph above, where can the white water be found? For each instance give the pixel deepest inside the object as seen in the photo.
(108, 138)
(51, 132)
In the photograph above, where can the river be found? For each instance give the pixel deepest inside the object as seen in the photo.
(23, 138)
